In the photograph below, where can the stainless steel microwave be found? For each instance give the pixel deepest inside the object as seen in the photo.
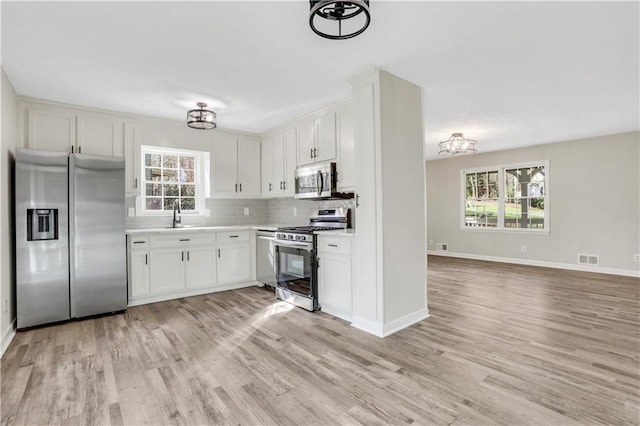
(316, 181)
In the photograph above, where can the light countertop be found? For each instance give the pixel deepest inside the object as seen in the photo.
(269, 227)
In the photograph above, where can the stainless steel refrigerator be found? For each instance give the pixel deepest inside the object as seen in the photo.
(70, 236)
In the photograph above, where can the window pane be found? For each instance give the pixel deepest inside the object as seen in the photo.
(536, 213)
(170, 175)
(188, 190)
(153, 189)
(154, 203)
(186, 175)
(471, 186)
(186, 162)
(170, 162)
(153, 160)
(512, 213)
(152, 174)
(171, 190)
(168, 203)
(188, 203)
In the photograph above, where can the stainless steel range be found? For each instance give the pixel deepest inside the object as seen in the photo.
(296, 261)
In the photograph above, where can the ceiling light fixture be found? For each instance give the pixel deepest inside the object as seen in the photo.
(202, 119)
(457, 144)
(327, 17)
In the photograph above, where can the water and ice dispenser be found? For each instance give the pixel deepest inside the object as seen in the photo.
(42, 224)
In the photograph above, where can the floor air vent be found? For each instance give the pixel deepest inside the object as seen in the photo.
(588, 259)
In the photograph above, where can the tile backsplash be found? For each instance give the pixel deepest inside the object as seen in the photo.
(226, 212)
(281, 211)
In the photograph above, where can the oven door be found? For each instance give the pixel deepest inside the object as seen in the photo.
(296, 275)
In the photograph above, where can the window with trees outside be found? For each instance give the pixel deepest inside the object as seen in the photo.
(170, 177)
(507, 198)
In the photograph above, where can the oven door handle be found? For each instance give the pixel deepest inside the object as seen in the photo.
(304, 246)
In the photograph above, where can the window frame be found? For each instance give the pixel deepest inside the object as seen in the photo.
(501, 169)
(198, 177)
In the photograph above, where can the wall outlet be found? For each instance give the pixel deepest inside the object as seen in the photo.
(246, 211)
(523, 249)
(636, 257)
(132, 211)
(5, 306)
(442, 246)
(430, 242)
(295, 211)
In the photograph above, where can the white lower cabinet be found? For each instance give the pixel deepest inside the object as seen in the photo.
(167, 269)
(166, 266)
(138, 267)
(334, 276)
(234, 257)
(201, 266)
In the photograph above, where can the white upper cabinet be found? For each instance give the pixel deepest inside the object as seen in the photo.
(235, 166)
(51, 130)
(290, 161)
(325, 149)
(55, 128)
(248, 167)
(267, 166)
(306, 142)
(317, 139)
(224, 164)
(279, 164)
(100, 135)
(346, 156)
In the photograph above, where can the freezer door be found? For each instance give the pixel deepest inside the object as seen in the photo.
(97, 235)
(41, 239)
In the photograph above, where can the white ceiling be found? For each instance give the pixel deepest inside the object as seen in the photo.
(508, 74)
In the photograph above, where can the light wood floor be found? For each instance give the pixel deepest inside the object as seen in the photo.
(505, 345)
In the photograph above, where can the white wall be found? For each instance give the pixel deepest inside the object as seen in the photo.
(8, 144)
(594, 202)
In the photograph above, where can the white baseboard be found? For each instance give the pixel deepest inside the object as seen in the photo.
(405, 321)
(542, 263)
(8, 337)
(188, 293)
(377, 328)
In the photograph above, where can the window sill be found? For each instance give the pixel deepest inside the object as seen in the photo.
(505, 230)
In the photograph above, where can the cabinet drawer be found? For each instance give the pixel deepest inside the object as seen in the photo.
(207, 238)
(334, 245)
(170, 240)
(231, 237)
(138, 242)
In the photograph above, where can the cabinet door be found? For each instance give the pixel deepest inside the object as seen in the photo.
(267, 161)
(224, 164)
(306, 142)
(326, 138)
(346, 158)
(100, 135)
(166, 272)
(334, 284)
(201, 266)
(248, 167)
(131, 159)
(234, 264)
(138, 273)
(290, 162)
(278, 164)
(51, 130)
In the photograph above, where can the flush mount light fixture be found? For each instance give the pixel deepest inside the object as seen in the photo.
(202, 119)
(457, 144)
(339, 20)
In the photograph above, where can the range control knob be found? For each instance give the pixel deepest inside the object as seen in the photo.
(298, 237)
(290, 237)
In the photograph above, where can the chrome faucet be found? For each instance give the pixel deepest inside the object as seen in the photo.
(176, 219)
